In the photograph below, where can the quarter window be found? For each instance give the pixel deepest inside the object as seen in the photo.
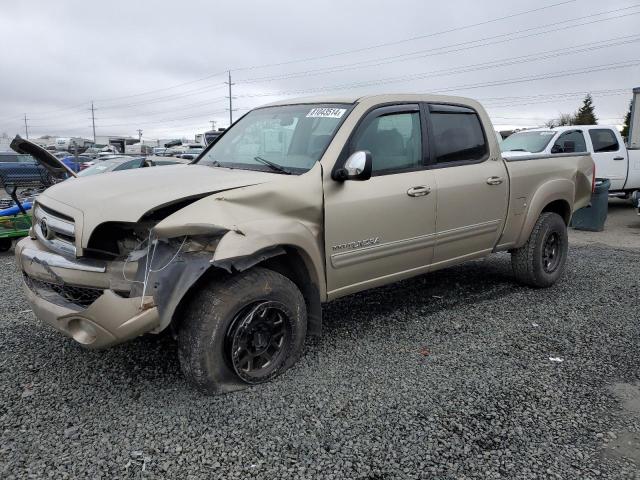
(458, 134)
(570, 142)
(394, 140)
(604, 140)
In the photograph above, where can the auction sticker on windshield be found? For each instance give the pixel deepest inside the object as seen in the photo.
(326, 112)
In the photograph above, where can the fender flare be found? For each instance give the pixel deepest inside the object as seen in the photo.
(551, 191)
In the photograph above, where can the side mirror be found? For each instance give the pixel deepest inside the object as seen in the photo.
(357, 167)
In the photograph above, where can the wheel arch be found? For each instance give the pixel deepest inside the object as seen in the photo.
(561, 207)
(290, 261)
(553, 196)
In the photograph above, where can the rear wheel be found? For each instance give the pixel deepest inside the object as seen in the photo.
(5, 244)
(241, 330)
(542, 260)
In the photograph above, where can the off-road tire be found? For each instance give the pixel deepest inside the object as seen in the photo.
(528, 261)
(5, 244)
(203, 333)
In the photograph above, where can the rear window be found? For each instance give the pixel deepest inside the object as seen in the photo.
(604, 140)
(458, 134)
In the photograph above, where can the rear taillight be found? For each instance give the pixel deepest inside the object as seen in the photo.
(593, 180)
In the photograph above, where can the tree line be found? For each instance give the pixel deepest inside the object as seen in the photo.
(586, 115)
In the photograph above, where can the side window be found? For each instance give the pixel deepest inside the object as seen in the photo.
(394, 140)
(458, 134)
(604, 140)
(570, 142)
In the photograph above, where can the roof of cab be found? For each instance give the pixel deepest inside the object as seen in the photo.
(564, 128)
(378, 98)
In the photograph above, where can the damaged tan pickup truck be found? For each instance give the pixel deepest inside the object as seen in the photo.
(298, 203)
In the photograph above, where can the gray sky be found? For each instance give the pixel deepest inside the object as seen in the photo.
(153, 65)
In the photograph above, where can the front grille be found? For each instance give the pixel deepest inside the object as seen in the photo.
(82, 296)
(55, 230)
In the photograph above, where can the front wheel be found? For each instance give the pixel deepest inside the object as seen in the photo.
(542, 260)
(241, 330)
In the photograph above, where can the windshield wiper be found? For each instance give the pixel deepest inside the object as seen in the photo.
(273, 166)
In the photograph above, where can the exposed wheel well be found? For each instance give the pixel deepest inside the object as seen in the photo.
(299, 270)
(292, 264)
(561, 207)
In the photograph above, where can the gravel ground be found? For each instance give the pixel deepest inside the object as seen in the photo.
(460, 374)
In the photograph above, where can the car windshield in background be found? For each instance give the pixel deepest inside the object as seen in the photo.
(532, 142)
(282, 139)
(16, 157)
(105, 166)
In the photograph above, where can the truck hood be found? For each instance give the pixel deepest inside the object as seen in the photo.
(54, 166)
(127, 195)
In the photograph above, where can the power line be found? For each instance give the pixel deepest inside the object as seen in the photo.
(334, 54)
(397, 42)
(109, 99)
(460, 87)
(171, 110)
(446, 49)
(588, 47)
(26, 127)
(367, 63)
(189, 93)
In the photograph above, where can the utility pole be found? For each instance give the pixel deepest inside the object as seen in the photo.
(93, 122)
(230, 97)
(213, 124)
(139, 135)
(26, 127)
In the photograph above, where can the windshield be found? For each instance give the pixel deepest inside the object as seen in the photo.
(283, 139)
(103, 166)
(532, 142)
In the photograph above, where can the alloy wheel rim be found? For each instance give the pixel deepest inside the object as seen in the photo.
(259, 340)
(551, 253)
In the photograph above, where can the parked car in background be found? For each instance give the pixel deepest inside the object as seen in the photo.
(191, 154)
(159, 151)
(174, 152)
(212, 135)
(604, 143)
(12, 157)
(115, 164)
(77, 163)
(297, 204)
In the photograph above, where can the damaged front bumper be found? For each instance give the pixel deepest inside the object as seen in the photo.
(89, 301)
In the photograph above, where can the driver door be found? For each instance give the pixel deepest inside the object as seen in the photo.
(382, 229)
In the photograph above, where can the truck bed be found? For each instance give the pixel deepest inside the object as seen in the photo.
(531, 190)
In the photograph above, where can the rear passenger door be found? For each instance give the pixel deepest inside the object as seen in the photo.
(609, 156)
(472, 186)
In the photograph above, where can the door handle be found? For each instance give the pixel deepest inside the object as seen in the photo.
(495, 180)
(419, 191)
(618, 158)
